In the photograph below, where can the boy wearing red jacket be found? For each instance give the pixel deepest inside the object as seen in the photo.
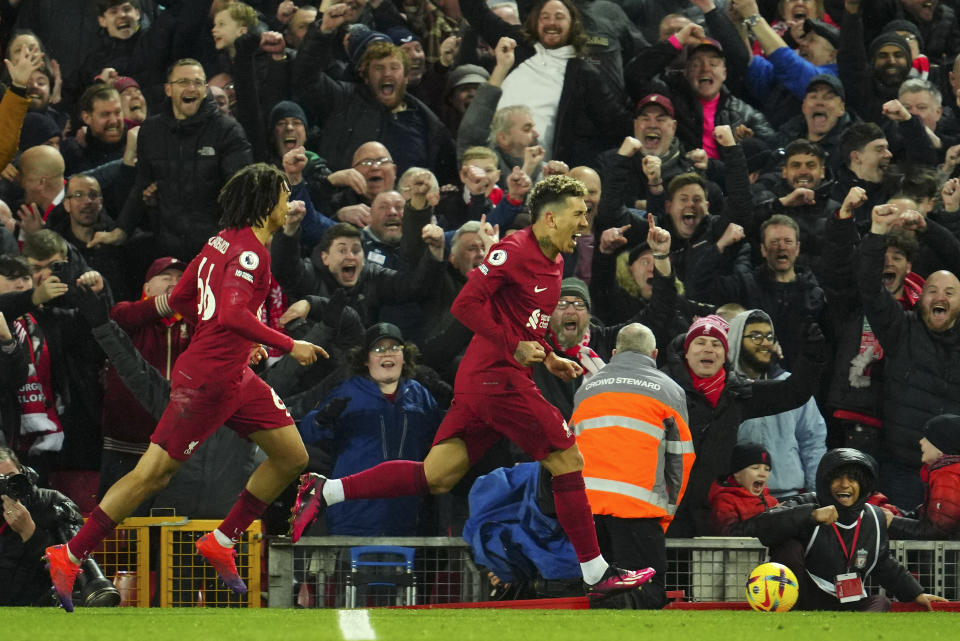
(744, 493)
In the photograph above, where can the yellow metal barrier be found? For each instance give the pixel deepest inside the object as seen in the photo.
(183, 578)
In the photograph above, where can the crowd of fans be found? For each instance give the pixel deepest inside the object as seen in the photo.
(801, 154)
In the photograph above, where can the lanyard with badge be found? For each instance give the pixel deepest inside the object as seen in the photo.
(849, 586)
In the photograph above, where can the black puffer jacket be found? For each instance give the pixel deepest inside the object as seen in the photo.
(714, 430)
(824, 559)
(375, 287)
(790, 305)
(190, 160)
(24, 579)
(922, 366)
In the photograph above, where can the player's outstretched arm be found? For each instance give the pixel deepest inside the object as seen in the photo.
(307, 353)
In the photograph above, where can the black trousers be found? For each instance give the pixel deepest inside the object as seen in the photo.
(633, 544)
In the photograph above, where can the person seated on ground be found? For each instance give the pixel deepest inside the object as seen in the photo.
(743, 493)
(835, 542)
(379, 414)
(939, 515)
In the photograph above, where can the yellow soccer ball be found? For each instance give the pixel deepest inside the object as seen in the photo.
(772, 587)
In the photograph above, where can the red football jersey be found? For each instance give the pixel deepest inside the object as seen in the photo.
(222, 291)
(507, 299)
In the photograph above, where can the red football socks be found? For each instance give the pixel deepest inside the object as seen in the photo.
(247, 509)
(573, 512)
(387, 480)
(93, 532)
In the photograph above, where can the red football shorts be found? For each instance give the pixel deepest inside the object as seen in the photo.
(197, 409)
(523, 416)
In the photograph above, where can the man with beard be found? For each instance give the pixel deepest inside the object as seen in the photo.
(378, 109)
(788, 292)
(921, 353)
(189, 150)
(871, 77)
(795, 439)
(800, 194)
(822, 120)
(38, 91)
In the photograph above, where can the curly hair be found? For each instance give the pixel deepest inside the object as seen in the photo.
(553, 190)
(379, 50)
(250, 195)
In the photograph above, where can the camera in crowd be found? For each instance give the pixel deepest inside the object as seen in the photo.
(16, 486)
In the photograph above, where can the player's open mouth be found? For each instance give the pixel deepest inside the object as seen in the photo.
(758, 486)
(570, 326)
(189, 100)
(651, 139)
(348, 272)
(889, 278)
(290, 142)
(939, 312)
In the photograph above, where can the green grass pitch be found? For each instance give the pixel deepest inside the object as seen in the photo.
(129, 624)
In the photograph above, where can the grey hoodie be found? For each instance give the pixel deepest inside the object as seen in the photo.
(796, 439)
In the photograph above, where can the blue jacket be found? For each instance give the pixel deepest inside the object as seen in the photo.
(369, 431)
(509, 534)
(783, 66)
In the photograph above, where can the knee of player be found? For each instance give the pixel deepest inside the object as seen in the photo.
(441, 485)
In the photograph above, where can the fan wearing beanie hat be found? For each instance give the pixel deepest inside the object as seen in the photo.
(939, 516)
(705, 350)
(737, 497)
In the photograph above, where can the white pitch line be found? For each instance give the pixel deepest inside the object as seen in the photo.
(355, 625)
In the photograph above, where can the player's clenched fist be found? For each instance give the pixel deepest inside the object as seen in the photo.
(529, 352)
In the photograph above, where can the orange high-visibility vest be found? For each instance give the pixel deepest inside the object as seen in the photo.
(631, 425)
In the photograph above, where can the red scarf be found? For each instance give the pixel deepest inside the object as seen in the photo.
(271, 311)
(40, 429)
(581, 352)
(710, 387)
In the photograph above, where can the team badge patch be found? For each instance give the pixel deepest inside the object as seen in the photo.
(497, 257)
(249, 260)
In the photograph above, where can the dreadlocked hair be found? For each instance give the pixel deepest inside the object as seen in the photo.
(250, 195)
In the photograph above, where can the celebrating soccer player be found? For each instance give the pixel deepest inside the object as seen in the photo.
(212, 385)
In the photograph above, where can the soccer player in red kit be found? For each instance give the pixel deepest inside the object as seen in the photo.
(220, 292)
(507, 302)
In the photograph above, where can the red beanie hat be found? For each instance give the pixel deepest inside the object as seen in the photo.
(713, 326)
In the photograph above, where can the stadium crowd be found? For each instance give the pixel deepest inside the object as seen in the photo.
(802, 155)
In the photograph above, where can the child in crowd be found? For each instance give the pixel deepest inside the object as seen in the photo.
(939, 516)
(834, 540)
(737, 498)
(479, 173)
(231, 23)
